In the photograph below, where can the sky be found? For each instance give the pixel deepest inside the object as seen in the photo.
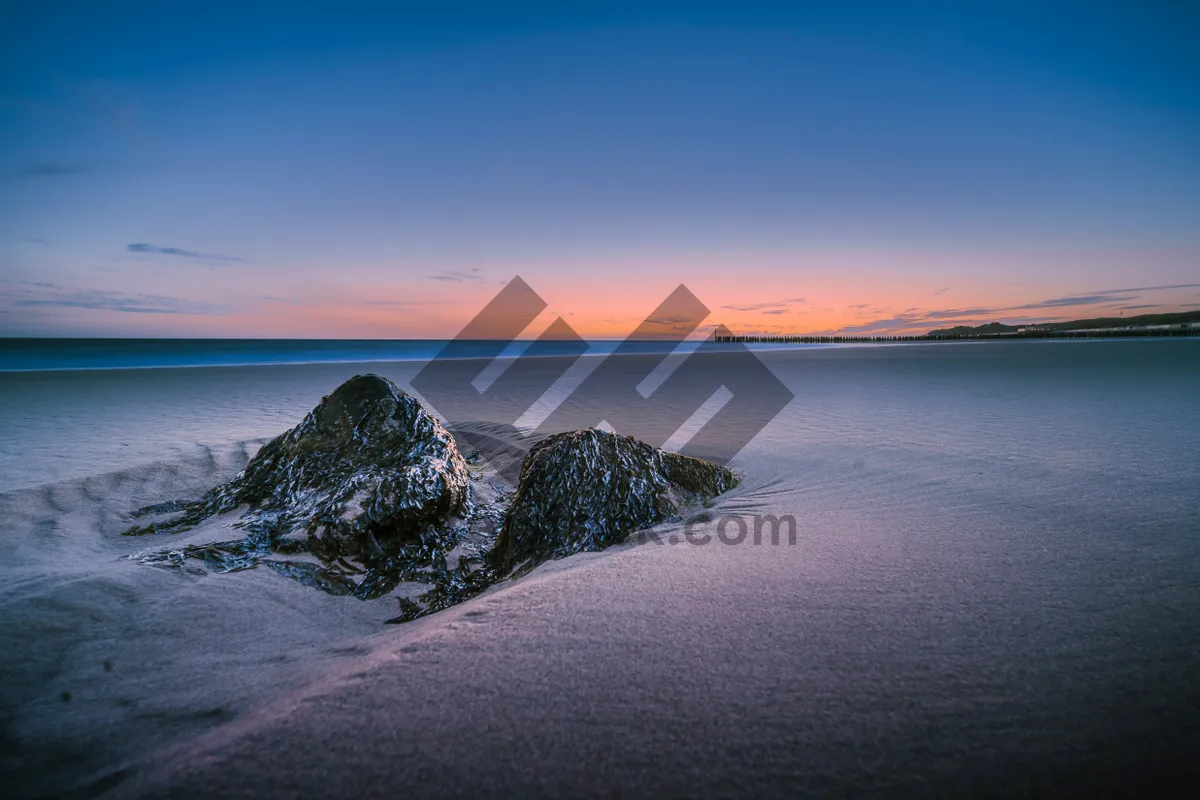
(348, 171)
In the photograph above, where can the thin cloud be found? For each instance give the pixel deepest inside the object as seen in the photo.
(457, 276)
(676, 321)
(773, 307)
(875, 326)
(960, 312)
(1149, 288)
(1081, 300)
(402, 303)
(355, 300)
(177, 252)
(50, 169)
(97, 300)
(1055, 302)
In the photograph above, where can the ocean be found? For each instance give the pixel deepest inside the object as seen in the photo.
(26, 355)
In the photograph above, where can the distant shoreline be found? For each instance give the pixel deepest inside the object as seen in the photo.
(1144, 333)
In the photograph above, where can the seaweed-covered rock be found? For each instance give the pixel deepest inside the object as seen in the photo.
(588, 489)
(367, 470)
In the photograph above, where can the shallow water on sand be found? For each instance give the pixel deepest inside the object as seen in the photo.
(994, 585)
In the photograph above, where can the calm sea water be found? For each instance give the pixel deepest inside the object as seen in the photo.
(70, 354)
(22, 355)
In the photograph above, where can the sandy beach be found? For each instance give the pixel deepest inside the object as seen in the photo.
(992, 591)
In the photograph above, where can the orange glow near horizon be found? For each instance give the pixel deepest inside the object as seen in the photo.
(822, 293)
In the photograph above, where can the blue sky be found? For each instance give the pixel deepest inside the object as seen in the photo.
(288, 170)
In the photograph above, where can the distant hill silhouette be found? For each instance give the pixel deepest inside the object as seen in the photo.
(1075, 324)
(965, 330)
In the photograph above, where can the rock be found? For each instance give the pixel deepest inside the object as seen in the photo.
(368, 470)
(588, 489)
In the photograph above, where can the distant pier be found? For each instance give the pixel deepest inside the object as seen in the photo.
(1117, 333)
